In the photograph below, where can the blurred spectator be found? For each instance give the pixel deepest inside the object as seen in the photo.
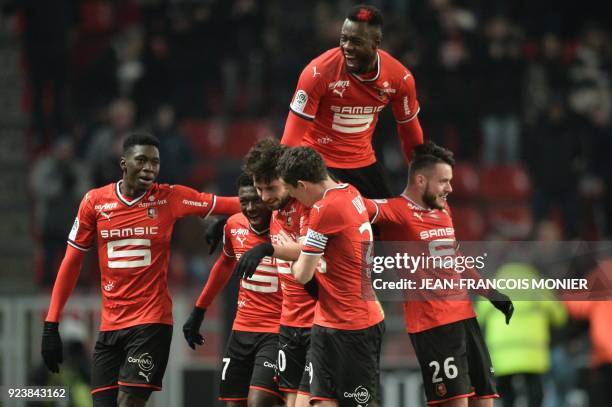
(46, 40)
(520, 352)
(104, 149)
(554, 157)
(173, 147)
(599, 314)
(58, 182)
(501, 68)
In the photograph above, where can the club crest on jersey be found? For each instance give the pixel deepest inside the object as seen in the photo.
(441, 389)
(152, 212)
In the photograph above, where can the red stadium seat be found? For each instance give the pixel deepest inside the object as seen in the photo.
(465, 181)
(469, 223)
(510, 221)
(242, 135)
(505, 183)
(96, 17)
(207, 137)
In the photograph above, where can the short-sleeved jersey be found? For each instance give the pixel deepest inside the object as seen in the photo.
(344, 107)
(338, 226)
(260, 296)
(298, 305)
(133, 240)
(400, 219)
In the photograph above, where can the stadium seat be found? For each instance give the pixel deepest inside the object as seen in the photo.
(96, 17)
(465, 181)
(504, 183)
(469, 223)
(242, 135)
(509, 221)
(206, 137)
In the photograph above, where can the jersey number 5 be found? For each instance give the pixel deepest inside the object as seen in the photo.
(140, 257)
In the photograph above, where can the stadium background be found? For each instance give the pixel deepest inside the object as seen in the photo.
(520, 90)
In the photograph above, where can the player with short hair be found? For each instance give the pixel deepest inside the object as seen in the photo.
(338, 99)
(249, 363)
(449, 345)
(346, 336)
(289, 217)
(132, 222)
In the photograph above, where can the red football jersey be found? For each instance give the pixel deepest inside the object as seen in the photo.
(338, 226)
(400, 219)
(259, 298)
(133, 239)
(298, 305)
(345, 107)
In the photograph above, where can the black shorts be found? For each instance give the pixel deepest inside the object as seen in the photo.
(294, 367)
(455, 362)
(249, 362)
(132, 359)
(346, 365)
(371, 181)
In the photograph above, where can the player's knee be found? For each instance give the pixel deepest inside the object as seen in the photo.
(106, 398)
(135, 398)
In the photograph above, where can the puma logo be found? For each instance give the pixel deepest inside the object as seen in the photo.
(106, 215)
(241, 240)
(317, 207)
(406, 76)
(418, 215)
(340, 92)
(146, 376)
(314, 71)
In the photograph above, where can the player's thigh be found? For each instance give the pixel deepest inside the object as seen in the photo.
(442, 355)
(264, 378)
(291, 360)
(482, 375)
(237, 366)
(147, 349)
(108, 356)
(131, 400)
(358, 377)
(323, 364)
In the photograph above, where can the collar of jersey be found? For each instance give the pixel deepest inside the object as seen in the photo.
(339, 186)
(123, 199)
(415, 204)
(257, 232)
(377, 71)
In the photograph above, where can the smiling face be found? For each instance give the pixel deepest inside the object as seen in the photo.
(140, 166)
(359, 43)
(436, 185)
(255, 210)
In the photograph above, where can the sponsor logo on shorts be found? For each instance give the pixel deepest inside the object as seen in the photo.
(270, 365)
(308, 369)
(144, 361)
(360, 394)
(441, 389)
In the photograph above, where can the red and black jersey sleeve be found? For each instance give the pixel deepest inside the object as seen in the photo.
(309, 90)
(405, 105)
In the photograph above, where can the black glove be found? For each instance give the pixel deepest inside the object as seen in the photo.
(191, 327)
(51, 348)
(312, 288)
(503, 303)
(214, 233)
(250, 260)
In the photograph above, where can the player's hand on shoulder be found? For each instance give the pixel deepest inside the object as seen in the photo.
(191, 327)
(51, 346)
(250, 260)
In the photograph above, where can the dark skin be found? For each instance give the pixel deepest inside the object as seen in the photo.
(140, 166)
(359, 43)
(255, 210)
(129, 400)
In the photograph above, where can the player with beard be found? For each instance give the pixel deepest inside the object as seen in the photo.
(290, 219)
(249, 364)
(338, 99)
(132, 221)
(449, 345)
